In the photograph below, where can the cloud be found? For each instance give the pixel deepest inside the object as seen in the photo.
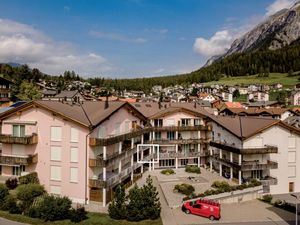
(156, 30)
(22, 43)
(279, 5)
(220, 41)
(67, 8)
(116, 37)
(216, 45)
(159, 71)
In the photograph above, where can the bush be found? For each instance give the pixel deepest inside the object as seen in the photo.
(255, 182)
(11, 183)
(10, 204)
(3, 193)
(192, 169)
(267, 198)
(77, 215)
(222, 186)
(54, 208)
(167, 172)
(185, 189)
(26, 193)
(31, 178)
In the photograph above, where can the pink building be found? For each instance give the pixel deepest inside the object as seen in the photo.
(85, 149)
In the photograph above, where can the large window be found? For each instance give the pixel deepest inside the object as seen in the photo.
(186, 122)
(74, 135)
(74, 155)
(171, 135)
(17, 170)
(55, 173)
(55, 153)
(73, 175)
(158, 122)
(257, 174)
(158, 136)
(18, 130)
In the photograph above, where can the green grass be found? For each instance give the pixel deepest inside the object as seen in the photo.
(93, 219)
(253, 79)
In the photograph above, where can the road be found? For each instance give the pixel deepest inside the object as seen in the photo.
(256, 223)
(9, 222)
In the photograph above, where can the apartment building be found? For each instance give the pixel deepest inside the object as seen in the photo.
(180, 132)
(249, 147)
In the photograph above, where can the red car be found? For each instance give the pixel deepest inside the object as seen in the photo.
(203, 207)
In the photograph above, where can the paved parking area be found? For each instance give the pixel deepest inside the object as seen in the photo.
(246, 212)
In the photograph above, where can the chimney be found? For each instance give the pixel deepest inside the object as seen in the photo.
(195, 105)
(106, 103)
(159, 105)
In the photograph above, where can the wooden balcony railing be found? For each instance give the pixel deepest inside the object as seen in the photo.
(247, 150)
(26, 140)
(169, 155)
(140, 131)
(18, 160)
(179, 141)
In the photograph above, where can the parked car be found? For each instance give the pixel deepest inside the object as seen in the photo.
(203, 207)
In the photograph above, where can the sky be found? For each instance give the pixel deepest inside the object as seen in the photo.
(125, 38)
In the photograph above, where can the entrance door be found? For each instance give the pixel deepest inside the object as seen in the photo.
(291, 186)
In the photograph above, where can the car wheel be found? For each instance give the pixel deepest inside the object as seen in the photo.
(211, 218)
(187, 211)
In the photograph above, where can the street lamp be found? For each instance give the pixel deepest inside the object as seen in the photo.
(295, 196)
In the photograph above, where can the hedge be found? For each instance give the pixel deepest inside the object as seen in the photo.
(192, 169)
(167, 172)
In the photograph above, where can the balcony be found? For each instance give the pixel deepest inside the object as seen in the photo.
(267, 181)
(12, 160)
(26, 140)
(225, 161)
(170, 155)
(256, 165)
(181, 128)
(247, 150)
(178, 141)
(117, 138)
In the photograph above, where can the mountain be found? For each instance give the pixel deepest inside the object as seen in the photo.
(276, 32)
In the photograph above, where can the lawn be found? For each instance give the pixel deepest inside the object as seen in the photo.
(253, 79)
(93, 219)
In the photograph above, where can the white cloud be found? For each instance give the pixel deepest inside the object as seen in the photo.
(116, 37)
(216, 45)
(22, 43)
(159, 71)
(157, 30)
(222, 40)
(279, 5)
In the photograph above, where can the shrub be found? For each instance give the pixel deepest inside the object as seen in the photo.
(267, 198)
(3, 193)
(222, 186)
(77, 215)
(31, 178)
(10, 204)
(192, 169)
(255, 182)
(185, 189)
(167, 172)
(26, 193)
(135, 205)
(11, 183)
(54, 208)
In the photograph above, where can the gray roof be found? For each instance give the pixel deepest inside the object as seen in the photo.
(67, 94)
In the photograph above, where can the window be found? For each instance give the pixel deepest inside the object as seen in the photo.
(19, 130)
(292, 142)
(74, 155)
(170, 122)
(291, 171)
(18, 150)
(197, 206)
(184, 162)
(157, 136)
(171, 135)
(117, 128)
(198, 122)
(158, 122)
(74, 135)
(185, 122)
(55, 133)
(56, 190)
(101, 132)
(17, 171)
(73, 175)
(55, 173)
(257, 174)
(55, 153)
(291, 157)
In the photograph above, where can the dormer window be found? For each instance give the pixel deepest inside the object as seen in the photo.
(18, 130)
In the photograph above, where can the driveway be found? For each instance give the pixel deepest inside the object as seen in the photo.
(9, 222)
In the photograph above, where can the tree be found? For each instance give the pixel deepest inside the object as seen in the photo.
(282, 96)
(236, 93)
(151, 200)
(28, 91)
(117, 208)
(135, 206)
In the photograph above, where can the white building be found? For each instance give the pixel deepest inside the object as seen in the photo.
(250, 147)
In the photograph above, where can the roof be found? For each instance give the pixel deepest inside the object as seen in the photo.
(152, 109)
(261, 103)
(88, 113)
(233, 104)
(246, 127)
(67, 94)
(257, 111)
